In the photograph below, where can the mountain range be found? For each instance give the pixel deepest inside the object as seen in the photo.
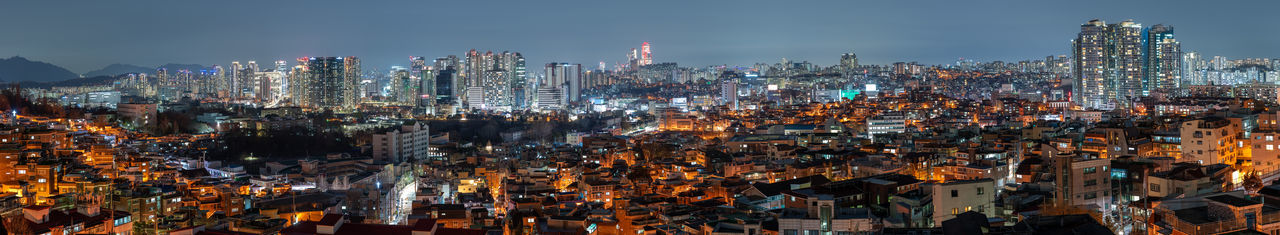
(85, 81)
(117, 69)
(19, 69)
(175, 67)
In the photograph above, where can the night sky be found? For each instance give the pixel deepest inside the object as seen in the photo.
(87, 35)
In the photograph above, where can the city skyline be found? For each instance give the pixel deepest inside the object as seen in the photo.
(606, 118)
(88, 36)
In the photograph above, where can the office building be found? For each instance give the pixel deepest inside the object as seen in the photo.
(565, 77)
(886, 123)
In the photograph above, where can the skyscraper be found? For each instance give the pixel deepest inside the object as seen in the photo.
(217, 82)
(566, 78)
(350, 79)
(298, 83)
(646, 56)
(1126, 60)
(330, 82)
(233, 79)
(1108, 64)
(426, 97)
(249, 81)
(562, 84)
(496, 76)
(729, 93)
(448, 87)
(403, 90)
(633, 59)
(446, 94)
(417, 67)
(282, 66)
(417, 63)
(1192, 63)
(497, 92)
(848, 61)
(516, 76)
(1162, 60)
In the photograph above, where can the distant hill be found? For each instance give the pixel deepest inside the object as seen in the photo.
(96, 80)
(18, 69)
(118, 69)
(175, 67)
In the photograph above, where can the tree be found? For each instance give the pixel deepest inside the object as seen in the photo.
(541, 130)
(14, 223)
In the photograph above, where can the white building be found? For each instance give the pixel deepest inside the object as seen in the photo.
(548, 99)
(729, 94)
(408, 142)
(137, 114)
(107, 99)
(886, 123)
(475, 97)
(955, 197)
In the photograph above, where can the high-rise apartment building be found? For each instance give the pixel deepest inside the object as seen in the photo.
(1192, 63)
(1163, 60)
(233, 79)
(848, 61)
(249, 81)
(516, 76)
(659, 73)
(350, 79)
(497, 92)
(216, 84)
(330, 82)
(566, 78)
(496, 75)
(1108, 64)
